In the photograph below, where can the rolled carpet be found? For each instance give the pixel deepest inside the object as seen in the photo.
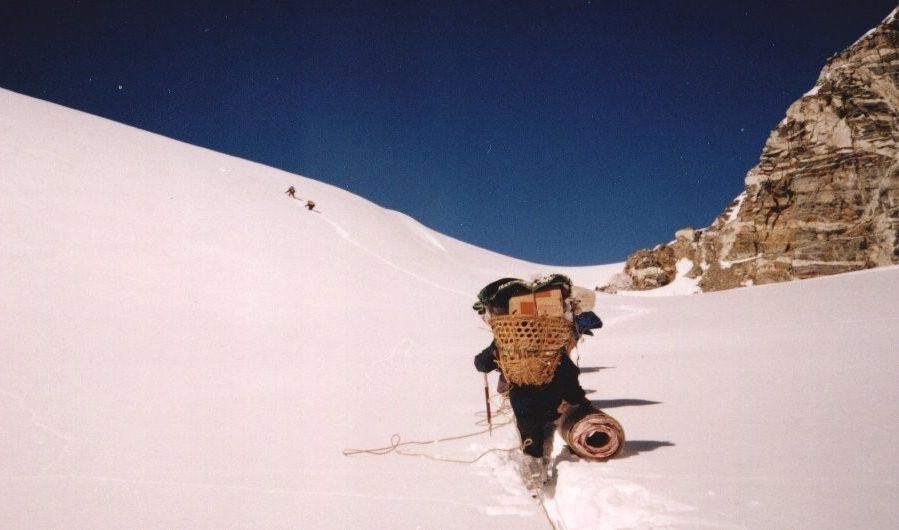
(591, 433)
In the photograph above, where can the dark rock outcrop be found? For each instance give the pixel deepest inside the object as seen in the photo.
(824, 197)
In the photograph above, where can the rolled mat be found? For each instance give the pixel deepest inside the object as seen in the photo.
(591, 433)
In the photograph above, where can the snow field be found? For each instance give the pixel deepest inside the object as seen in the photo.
(187, 347)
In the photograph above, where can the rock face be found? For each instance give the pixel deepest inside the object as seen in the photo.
(824, 197)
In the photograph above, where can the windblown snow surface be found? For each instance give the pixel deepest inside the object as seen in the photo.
(184, 346)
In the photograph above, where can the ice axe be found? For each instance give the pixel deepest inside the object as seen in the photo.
(487, 402)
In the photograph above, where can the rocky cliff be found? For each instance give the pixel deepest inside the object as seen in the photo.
(824, 197)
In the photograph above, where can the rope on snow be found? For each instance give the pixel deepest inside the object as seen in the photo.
(396, 441)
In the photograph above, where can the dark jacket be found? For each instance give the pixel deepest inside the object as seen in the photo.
(536, 407)
(539, 402)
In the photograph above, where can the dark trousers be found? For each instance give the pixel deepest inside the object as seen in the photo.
(535, 433)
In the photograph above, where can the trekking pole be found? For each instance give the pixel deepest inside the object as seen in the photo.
(487, 401)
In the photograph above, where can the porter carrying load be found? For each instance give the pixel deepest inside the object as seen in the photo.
(535, 326)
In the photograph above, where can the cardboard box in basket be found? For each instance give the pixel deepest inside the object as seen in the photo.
(542, 303)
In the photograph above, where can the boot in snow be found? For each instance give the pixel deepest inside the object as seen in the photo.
(533, 473)
(549, 434)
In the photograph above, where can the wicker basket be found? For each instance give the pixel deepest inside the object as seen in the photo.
(529, 347)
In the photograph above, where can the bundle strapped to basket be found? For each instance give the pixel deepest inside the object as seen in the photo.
(591, 433)
(529, 347)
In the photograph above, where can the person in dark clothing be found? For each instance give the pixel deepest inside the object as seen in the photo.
(510, 306)
(537, 406)
(536, 409)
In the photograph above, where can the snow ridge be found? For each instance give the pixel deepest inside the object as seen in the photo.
(186, 347)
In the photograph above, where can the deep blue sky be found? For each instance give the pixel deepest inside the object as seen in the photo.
(560, 132)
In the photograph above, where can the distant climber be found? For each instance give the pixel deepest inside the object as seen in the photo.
(291, 192)
(310, 205)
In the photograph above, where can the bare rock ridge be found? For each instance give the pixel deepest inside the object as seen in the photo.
(824, 197)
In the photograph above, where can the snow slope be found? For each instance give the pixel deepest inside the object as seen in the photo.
(186, 347)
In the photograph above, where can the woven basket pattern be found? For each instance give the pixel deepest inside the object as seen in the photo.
(529, 347)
